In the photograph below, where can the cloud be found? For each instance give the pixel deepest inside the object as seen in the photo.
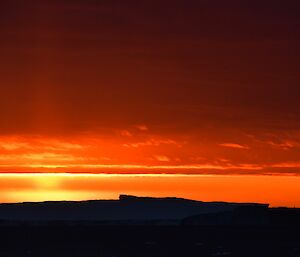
(153, 142)
(38, 144)
(284, 144)
(144, 153)
(142, 127)
(40, 157)
(162, 158)
(205, 168)
(12, 146)
(234, 145)
(125, 133)
(286, 165)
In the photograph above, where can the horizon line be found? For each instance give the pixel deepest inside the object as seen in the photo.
(90, 174)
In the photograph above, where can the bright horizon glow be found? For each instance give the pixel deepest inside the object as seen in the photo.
(34, 187)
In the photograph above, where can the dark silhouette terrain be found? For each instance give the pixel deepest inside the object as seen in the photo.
(126, 210)
(141, 227)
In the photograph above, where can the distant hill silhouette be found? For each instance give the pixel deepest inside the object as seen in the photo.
(242, 215)
(131, 210)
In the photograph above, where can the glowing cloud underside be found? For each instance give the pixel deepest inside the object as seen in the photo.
(133, 153)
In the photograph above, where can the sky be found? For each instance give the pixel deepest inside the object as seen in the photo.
(150, 87)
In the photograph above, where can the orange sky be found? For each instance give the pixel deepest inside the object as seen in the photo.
(139, 150)
(151, 87)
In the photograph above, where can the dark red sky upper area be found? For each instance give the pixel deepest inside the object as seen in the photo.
(71, 66)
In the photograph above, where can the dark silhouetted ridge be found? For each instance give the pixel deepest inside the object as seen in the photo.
(130, 209)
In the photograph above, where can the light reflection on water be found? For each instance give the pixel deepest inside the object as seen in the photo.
(276, 190)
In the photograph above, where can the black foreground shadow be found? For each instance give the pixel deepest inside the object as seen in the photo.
(212, 229)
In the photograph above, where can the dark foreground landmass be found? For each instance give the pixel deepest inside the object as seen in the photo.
(148, 241)
(148, 227)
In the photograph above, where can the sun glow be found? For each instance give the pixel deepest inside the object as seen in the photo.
(234, 188)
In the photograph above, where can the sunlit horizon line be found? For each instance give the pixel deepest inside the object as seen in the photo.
(82, 174)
